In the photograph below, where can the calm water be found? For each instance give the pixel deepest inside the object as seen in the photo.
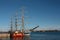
(45, 36)
(40, 36)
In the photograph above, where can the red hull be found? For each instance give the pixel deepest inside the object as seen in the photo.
(18, 34)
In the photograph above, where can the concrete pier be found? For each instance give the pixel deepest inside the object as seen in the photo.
(3, 35)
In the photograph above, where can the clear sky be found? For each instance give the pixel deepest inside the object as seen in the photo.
(45, 13)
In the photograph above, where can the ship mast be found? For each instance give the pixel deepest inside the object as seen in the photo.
(11, 24)
(16, 21)
(23, 20)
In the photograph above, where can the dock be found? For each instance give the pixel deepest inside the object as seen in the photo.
(4, 35)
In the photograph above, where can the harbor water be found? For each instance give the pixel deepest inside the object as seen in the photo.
(38, 36)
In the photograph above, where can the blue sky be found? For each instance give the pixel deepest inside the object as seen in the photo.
(45, 13)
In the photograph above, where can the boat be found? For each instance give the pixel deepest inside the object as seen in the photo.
(22, 32)
(17, 33)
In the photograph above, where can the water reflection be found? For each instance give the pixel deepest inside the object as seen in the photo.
(20, 38)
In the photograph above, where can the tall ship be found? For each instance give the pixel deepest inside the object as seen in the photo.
(22, 32)
(16, 32)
